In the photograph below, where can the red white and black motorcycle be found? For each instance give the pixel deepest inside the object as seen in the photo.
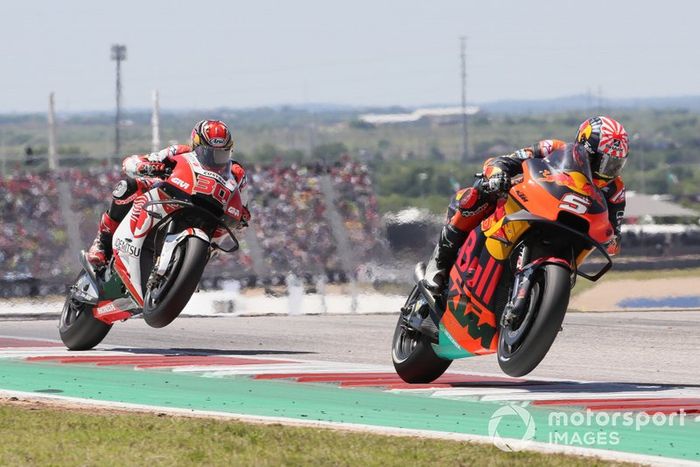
(160, 251)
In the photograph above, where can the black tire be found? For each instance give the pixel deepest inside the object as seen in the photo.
(78, 328)
(181, 282)
(548, 301)
(413, 356)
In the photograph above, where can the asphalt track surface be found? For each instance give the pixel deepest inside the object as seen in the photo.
(336, 371)
(633, 347)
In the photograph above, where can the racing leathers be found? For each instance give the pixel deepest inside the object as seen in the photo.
(143, 173)
(471, 205)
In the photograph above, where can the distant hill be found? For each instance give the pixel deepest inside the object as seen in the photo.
(325, 112)
(583, 101)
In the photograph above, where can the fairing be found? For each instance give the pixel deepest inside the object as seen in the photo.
(483, 273)
(191, 180)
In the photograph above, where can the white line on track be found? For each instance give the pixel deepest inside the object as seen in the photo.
(292, 367)
(514, 395)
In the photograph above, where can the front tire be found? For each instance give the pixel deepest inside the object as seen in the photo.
(164, 303)
(548, 301)
(412, 353)
(78, 328)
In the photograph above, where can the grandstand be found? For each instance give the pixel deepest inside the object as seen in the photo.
(289, 223)
(290, 230)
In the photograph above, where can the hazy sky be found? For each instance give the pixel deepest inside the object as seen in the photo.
(211, 53)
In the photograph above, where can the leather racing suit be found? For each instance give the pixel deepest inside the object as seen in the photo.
(142, 173)
(469, 206)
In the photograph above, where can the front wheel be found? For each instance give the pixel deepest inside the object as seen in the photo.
(536, 331)
(78, 328)
(412, 353)
(167, 297)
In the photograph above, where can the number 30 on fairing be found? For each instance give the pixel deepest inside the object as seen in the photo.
(574, 203)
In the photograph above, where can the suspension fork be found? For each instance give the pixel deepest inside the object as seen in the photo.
(524, 270)
(521, 287)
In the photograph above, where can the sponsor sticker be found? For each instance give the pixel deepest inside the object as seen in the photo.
(126, 247)
(108, 308)
(181, 183)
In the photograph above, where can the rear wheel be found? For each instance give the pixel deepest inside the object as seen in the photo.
(412, 353)
(78, 328)
(166, 297)
(523, 344)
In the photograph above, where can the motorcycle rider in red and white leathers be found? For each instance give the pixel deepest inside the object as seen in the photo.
(602, 138)
(211, 138)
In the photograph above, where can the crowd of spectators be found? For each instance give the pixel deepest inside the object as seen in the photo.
(357, 203)
(288, 213)
(32, 232)
(291, 224)
(289, 220)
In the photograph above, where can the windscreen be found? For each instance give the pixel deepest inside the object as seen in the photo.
(567, 170)
(570, 159)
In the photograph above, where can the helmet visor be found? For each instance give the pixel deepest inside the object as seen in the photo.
(610, 167)
(215, 159)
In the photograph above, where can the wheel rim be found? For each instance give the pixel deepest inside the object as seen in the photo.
(404, 344)
(512, 336)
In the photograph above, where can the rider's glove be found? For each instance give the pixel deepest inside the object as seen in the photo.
(613, 246)
(243, 220)
(150, 169)
(498, 183)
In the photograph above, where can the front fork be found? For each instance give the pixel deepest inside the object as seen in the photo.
(521, 288)
(170, 243)
(524, 270)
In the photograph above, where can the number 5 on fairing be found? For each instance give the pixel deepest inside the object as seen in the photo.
(575, 203)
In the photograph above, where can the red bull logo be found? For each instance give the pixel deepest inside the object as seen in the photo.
(584, 133)
(575, 181)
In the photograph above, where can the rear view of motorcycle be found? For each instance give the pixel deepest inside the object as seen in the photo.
(509, 289)
(160, 251)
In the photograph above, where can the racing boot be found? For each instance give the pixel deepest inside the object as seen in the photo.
(468, 208)
(443, 258)
(101, 250)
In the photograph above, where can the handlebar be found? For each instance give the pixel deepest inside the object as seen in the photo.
(186, 204)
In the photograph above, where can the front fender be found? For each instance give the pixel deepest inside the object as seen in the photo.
(522, 284)
(172, 241)
(539, 262)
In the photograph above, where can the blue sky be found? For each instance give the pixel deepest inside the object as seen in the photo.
(261, 52)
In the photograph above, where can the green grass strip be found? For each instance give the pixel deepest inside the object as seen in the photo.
(48, 436)
(324, 402)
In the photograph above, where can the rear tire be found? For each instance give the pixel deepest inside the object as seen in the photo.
(78, 328)
(412, 353)
(188, 271)
(551, 293)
